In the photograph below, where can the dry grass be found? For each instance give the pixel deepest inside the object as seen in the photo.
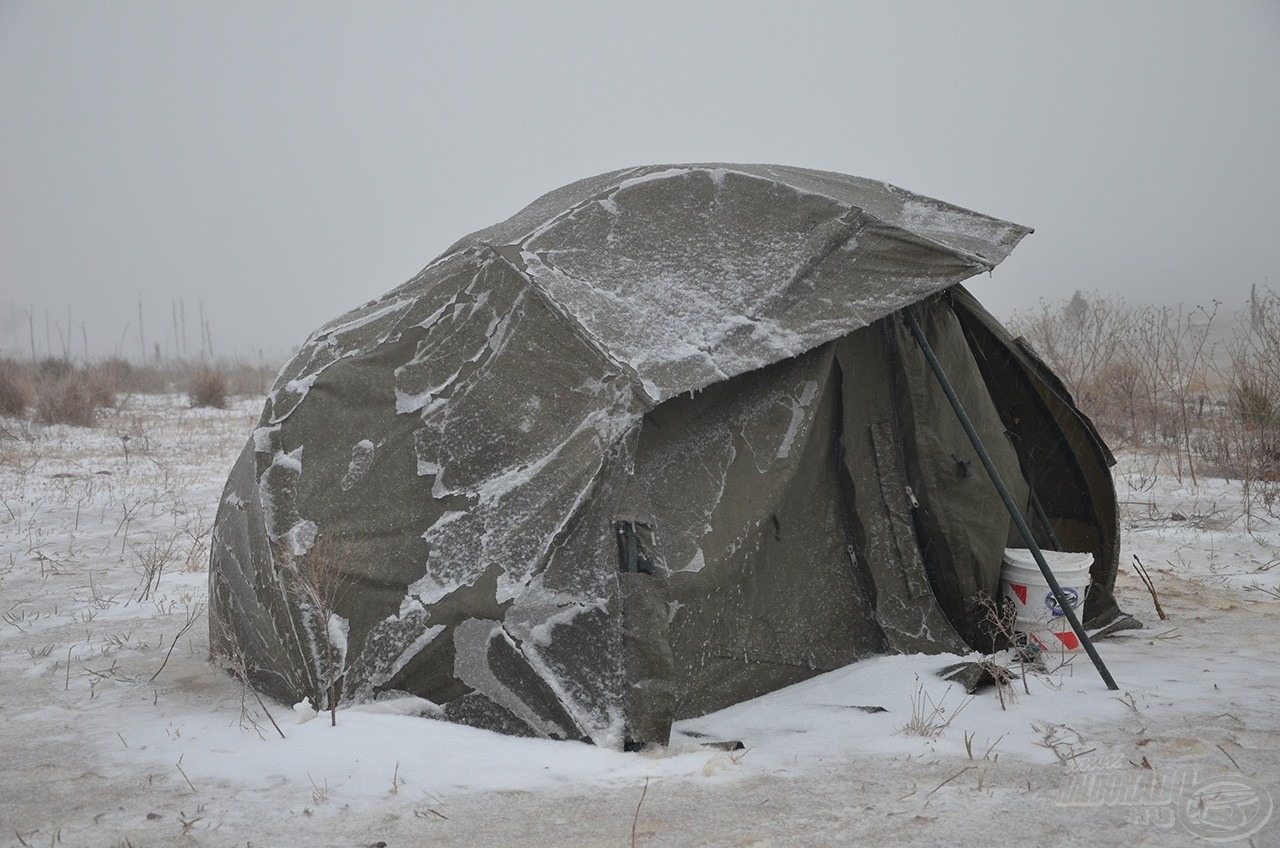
(929, 717)
(72, 398)
(58, 391)
(15, 388)
(208, 387)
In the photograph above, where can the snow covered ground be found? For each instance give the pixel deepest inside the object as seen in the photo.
(118, 732)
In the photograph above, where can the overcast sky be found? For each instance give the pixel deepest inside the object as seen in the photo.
(283, 162)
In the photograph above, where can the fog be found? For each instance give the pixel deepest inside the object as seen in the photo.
(271, 165)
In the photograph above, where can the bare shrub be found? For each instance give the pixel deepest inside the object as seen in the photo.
(72, 399)
(1090, 344)
(318, 582)
(1000, 623)
(117, 373)
(1080, 340)
(208, 387)
(54, 368)
(244, 380)
(1175, 352)
(1242, 434)
(1140, 373)
(15, 387)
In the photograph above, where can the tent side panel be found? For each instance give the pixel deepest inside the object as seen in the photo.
(249, 630)
(962, 523)
(741, 486)
(878, 502)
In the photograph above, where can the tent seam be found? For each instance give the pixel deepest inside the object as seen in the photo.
(565, 315)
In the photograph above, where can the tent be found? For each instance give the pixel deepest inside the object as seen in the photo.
(657, 444)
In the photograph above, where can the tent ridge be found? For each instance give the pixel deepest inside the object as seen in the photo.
(624, 177)
(765, 173)
(572, 321)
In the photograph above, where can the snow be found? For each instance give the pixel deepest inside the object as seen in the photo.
(119, 730)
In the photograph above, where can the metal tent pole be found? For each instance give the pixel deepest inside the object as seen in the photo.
(1014, 512)
(1038, 508)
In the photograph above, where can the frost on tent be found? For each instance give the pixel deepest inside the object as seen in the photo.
(674, 347)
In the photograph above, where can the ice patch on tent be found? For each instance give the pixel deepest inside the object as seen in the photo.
(391, 645)
(798, 416)
(361, 459)
(301, 536)
(277, 488)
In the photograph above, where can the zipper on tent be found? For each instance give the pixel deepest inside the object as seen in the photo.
(633, 558)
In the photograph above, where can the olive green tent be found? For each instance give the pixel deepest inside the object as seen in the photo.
(657, 444)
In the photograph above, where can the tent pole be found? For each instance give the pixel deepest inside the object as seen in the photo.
(1014, 512)
(1038, 508)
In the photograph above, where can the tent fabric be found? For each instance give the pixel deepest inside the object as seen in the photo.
(654, 445)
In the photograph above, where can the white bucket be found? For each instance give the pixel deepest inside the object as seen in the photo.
(1040, 619)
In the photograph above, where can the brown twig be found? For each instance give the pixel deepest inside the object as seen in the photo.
(268, 714)
(636, 821)
(191, 619)
(184, 774)
(951, 778)
(1146, 580)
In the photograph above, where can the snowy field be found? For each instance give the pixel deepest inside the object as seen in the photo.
(118, 731)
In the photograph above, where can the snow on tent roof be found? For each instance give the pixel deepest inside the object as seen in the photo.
(693, 273)
(689, 274)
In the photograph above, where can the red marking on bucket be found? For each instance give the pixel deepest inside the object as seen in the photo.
(1020, 591)
(1069, 640)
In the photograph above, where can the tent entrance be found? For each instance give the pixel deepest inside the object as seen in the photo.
(819, 511)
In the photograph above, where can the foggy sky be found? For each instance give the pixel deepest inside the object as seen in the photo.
(280, 163)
